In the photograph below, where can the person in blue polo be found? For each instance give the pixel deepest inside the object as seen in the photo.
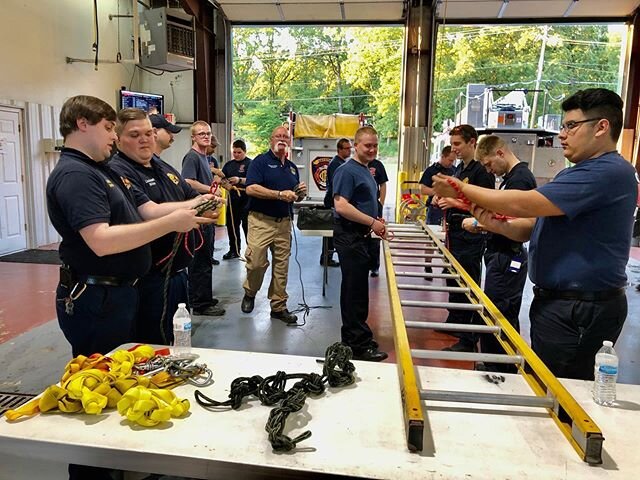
(579, 228)
(139, 164)
(355, 194)
(273, 184)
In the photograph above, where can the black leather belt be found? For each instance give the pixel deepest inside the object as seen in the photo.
(600, 295)
(108, 281)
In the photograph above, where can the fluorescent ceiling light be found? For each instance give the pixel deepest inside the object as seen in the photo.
(503, 7)
(569, 8)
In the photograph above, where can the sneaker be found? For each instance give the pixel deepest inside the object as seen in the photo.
(285, 315)
(371, 354)
(375, 273)
(215, 262)
(230, 256)
(461, 346)
(247, 304)
(210, 311)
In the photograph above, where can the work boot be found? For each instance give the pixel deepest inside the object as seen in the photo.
(285, 315)
(375, 273)
(230, 255)
(247, 304)
(371, 354)
(210, 311)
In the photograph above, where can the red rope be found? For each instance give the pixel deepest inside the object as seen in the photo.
(463, 198)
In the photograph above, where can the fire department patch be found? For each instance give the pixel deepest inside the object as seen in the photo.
(319, 167)
(126, 182)
(173, 178)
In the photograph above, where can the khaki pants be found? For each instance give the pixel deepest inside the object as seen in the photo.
(266, 233)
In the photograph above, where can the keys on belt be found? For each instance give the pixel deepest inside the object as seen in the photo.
(77, 284)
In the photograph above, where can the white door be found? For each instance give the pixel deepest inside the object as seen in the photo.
(13, 235)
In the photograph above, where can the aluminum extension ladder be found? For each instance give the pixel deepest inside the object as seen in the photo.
(413, 242)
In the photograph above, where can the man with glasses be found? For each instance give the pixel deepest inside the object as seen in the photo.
(343, 147)
(197, 173)
(579, 228)
(273, 184)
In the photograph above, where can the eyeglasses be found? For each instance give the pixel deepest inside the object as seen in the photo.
(571, 124)
(203, 134)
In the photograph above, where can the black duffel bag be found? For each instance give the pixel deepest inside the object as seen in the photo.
(313, 218)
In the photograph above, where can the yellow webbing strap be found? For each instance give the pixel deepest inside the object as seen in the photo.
(90, 384)
(148, 407)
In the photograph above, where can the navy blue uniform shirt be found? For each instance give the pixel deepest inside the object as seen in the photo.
(473, 174)
(195, 166)
(82, 192)
(587, 248)
(331, 171)
(519, 178)
(237, 168)
(354, 182)
(160, 183)
(434, 169)
(268, 171)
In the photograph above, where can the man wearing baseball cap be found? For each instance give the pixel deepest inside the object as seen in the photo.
(164, 132)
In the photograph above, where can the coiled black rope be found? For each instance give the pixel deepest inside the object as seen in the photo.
(338, 371)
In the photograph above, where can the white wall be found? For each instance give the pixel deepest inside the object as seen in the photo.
(36, 36)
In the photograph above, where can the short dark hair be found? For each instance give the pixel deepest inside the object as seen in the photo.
(598, 102)
(127, 115)
(366, 130)
(239, 143)
(340, 143)
(446, 151)
(467, 132)
(90, 108)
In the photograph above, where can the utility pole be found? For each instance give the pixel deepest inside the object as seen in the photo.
(545, 37)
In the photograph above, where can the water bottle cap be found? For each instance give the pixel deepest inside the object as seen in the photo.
(182, 305)
(607, 343)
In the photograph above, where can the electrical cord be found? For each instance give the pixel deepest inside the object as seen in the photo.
(303, 307)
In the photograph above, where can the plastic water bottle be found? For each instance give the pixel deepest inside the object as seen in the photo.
(181, 331)
(606, 374)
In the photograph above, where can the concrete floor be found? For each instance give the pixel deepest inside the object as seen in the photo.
(33, 351)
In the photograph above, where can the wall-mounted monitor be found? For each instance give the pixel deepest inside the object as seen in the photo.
(149, 102)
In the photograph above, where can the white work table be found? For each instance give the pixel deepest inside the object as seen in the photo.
(357, 431)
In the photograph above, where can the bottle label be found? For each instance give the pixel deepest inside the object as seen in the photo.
(182, 327)
(608, 369)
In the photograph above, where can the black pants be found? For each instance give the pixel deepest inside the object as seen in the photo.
(467, 248)
(373, 246)
(567, 334)
(330, 249)
(237, 216)
(201, 271)
(151, 287)
(353, 253)
(103, 318)
(504, 288)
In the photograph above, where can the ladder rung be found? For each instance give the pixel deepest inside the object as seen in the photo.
(422, 264)
(487, 398)
(450, 306)
(432, 288)
(417, 255)
(421, 242)
(411, 247)
(453, 327)
(410, 235)
(467, 356)
(427, 275)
